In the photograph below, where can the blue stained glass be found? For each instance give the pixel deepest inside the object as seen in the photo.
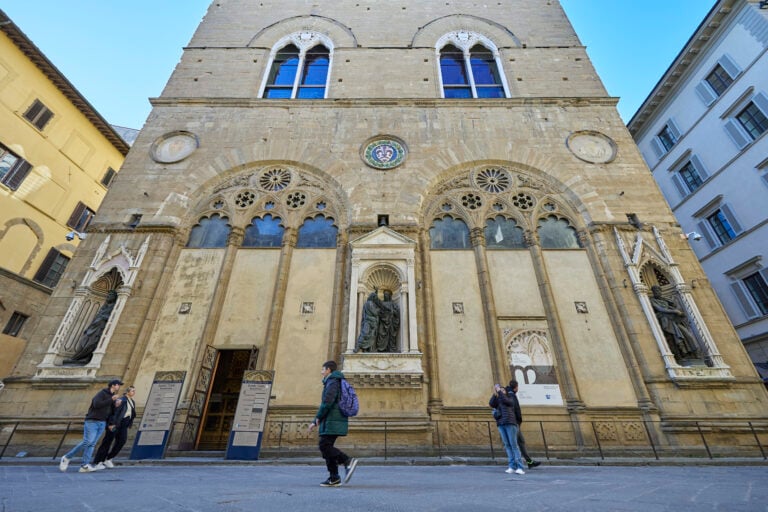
(490, 92)
(311, 93)
(449, 233)
(318, 232)
(556, 233)
(464, 92)
(210, 232)
(266, 232)
(484, 69)
(284, 66)
(278, 93)
(315, 66)
(452, 66)
(503, 233)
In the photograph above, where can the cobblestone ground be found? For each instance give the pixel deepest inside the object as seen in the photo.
(42, 488)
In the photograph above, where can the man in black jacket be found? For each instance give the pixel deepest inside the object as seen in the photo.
(512, 389)
(507, 423)
(117, 430)
(95, 423)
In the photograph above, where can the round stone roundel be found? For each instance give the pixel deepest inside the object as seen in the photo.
(384, 153)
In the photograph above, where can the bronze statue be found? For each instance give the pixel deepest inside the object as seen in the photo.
(89, 340)
(674, 323)
(380, 324)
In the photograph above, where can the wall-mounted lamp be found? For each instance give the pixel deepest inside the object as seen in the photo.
(72, 234)
(693, 235)
(624, 283)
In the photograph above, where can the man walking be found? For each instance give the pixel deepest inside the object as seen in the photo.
(95, 423)
(118, 424)
(512, 390)
(332, 424)
(507, 423)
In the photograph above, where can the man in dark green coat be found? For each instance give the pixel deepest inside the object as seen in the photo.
(332, 424)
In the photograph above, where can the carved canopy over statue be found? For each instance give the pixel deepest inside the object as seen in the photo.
(89, 340)
(379, 324)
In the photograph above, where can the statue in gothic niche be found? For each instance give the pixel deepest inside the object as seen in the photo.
(89, 340)
(379, 324)
(675, 325)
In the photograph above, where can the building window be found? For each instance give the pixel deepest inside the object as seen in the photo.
(81, 217)
(317, 233)
(13, 169)
(666, 138)
(503, 233)
(753, 120)
(758, 289)
(15, 324)
(557, 233)
(449, 233)
(299, 73)
(210, 232)
(38, 114)
(52, 269)
(690, 177)
(266, 232)
(721, 227)
(106, 180)
(719, 80)
(471, 74)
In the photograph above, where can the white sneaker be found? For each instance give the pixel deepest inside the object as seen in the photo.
(509, 470)
(63, 464)
(108, 463)
(519, 471)
(86, 468)
(99, 466)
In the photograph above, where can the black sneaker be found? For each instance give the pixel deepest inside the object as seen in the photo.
(533, 464)
(332, 482)
(349, 468)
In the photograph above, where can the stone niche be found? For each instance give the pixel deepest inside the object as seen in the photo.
(384, 260)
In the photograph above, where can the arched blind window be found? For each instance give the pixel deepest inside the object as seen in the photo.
(449, 233)
(557, 233)
(485, 73)
(318, 232)
(289, 64)
(210, 232)
(474, 74)
(266, 232)
(454, 72)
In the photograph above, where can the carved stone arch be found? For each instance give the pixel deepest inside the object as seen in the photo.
(428, 35)
(333, 30)
(465, 40)
(383, 276)
(654, 272)
(36, 230)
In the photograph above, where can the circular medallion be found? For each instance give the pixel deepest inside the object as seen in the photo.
(173, 147)
(384, 153)
(590, 146)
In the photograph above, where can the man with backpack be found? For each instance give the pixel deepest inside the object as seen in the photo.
(332, 423)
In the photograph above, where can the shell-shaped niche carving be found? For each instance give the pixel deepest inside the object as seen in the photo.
(384, 278)
(112, 280)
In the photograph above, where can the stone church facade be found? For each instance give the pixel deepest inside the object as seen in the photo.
(463, 158)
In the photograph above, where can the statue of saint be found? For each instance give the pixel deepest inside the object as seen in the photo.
(92, 334)
(674, 323)
(379, 325)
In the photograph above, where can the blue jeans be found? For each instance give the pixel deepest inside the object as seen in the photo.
(509, 438)
(92, 431)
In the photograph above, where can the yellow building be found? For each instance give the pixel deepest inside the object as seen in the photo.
(57, 158)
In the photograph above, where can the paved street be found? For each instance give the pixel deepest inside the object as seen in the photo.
(283, 487)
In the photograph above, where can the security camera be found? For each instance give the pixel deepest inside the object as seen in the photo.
(693, 235)
(70, 236)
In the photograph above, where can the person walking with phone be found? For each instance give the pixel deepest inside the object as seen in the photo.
(507, 423)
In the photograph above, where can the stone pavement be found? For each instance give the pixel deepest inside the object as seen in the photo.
(37, 486)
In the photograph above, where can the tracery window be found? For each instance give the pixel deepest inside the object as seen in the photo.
(210, 232)
(299, 70)
(318, 232)
(264, 232)
(449, 233)
(470, 67)
(503, 233)
(555, 233)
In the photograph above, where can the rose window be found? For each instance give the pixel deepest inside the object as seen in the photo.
(274, 180)
(493, 180)
(447, 207)
(245, 199)
(550, 207)
(296, 200)
(498, 207)
(523, 201)
(471, 201)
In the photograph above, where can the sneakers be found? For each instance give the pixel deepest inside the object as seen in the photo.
(109, 464)
(332, 482)
(519, 472)
(63, 464)
(533, 464)
(509, 470)
(86, 468)
(349, 468)
(99, 466)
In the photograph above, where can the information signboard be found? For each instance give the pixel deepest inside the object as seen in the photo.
(157, 421)
(250, 415)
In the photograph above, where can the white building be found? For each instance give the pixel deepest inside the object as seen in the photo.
(702, 131)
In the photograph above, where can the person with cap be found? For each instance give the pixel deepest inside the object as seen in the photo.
(95, 423)
(116, 434)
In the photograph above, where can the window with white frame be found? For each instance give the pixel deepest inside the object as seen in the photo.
(750, 286)
(718, 80)
(718, 224)
(13, 168)
(666, 138)
(299, 67)
(470, 67)
(749, 121)
(690, 176)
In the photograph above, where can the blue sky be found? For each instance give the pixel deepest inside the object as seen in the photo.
(118, 54)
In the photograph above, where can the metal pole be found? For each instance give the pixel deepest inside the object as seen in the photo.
(544, 438)
(280, 439)
(597, 439)
(385, 440)
(9, 439)
(490, 439)
(757, 439)
(61, 441)
(439, 443)
(650, 439)
(703, 439)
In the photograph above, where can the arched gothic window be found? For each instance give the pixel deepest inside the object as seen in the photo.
(318, 233)
(557, 233)
(503, 233)
(471, 73)
(298, 73)
(210, 232)
(449, 233)
(266, 232)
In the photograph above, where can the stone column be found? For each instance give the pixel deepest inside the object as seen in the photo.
(430, 344)
(290, 236)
